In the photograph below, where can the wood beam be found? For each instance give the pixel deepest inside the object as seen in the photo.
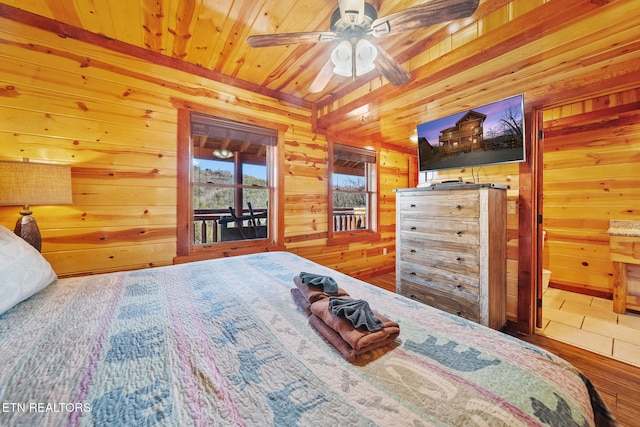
(68, 31)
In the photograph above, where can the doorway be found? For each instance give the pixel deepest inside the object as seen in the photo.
(587, 164)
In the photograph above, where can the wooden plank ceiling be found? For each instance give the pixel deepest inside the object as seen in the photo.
(548, 49)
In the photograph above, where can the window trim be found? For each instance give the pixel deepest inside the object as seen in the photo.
(373, 232)
(184, 199)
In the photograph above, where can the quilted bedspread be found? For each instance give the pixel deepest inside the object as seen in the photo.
(222, 343)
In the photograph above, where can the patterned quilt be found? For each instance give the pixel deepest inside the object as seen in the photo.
(222, 343)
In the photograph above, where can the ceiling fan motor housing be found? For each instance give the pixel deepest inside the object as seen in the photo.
(352, 29)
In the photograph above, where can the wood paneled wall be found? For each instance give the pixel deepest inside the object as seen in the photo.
(110, 117)
(591, 176)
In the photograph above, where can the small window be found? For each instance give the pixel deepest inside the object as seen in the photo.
(353, 189)
(229, 180)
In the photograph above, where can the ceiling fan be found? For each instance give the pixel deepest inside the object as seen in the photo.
(354, 23)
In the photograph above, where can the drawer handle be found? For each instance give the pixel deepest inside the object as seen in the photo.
(413, 251)
(458, 207)
(458, 232)
(458, 259)
(412, 228)
(412, 205)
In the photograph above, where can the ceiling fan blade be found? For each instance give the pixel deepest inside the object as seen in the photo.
(323, 77)
(390, 68)
(351, 11)
(424, 15)
(266, 40)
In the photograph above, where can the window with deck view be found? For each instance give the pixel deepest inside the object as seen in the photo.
(353, 188)
(230, 183)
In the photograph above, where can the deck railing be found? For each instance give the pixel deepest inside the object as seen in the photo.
(206, 222)
(205, 225)
(347, 219)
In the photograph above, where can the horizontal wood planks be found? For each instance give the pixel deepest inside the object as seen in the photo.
(113, 119)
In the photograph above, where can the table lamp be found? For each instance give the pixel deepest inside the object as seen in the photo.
(27, 183)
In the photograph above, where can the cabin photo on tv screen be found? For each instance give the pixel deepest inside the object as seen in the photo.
(485, 135)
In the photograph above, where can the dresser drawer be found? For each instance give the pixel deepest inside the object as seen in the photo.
(456, 283)
(452, 258)
(448, 204)
(463, 231)
(445, 301)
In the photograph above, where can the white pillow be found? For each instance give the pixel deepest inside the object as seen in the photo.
(23, 270)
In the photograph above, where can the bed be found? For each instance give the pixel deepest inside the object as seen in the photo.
(222, 342)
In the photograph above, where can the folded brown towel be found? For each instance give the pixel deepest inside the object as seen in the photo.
(301, 300)
(315, 293)
(357, 338)
(341, 345)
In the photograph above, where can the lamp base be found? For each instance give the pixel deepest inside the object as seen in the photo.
(27, 228)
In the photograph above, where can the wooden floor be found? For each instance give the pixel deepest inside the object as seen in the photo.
(617, 382)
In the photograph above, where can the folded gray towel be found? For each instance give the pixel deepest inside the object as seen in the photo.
(329, 285)
(356, 311)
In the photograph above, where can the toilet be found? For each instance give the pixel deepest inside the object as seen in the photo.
(546, 274)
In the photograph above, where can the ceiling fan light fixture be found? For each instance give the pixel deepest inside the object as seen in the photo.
(342, 58)
(222, 153)
(354, 22)
(366, 54)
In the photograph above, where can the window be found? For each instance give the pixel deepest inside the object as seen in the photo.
(229, 182)
(353, 190)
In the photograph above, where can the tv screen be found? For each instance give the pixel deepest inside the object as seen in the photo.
(489, 134)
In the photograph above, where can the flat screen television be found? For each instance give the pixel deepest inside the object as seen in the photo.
(488, 134)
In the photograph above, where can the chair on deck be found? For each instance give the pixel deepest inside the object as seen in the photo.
(254, 231)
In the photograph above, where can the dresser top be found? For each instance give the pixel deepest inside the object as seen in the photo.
(457, 185)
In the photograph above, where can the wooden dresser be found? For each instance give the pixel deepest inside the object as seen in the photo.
(451, 243)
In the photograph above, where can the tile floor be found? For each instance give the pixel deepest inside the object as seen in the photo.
(590, 323)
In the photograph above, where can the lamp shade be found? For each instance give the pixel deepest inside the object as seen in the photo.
(366, 53)
(26, 183)
(342, 57)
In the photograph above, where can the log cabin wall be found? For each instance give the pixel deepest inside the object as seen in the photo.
(110, 117)
(591, 176)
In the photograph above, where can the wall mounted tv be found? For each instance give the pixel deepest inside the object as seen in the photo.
(490, 134)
